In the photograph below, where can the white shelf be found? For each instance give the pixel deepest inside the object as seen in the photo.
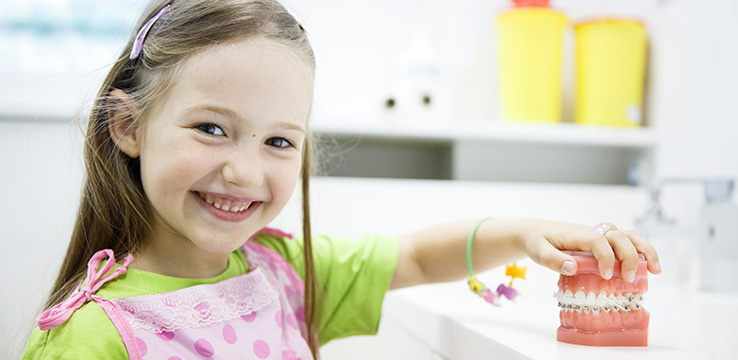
(493, 131)
(485, 149)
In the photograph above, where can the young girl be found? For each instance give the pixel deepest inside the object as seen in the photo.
(196, 142)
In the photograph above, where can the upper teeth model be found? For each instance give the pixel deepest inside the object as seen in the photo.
(599, 312)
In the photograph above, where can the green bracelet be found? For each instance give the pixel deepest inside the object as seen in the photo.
(514, 271)
(469, 245)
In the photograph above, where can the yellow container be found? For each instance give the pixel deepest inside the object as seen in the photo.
(610, 72)
(529, 63)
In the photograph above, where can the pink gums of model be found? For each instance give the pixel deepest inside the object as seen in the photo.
(599, 312)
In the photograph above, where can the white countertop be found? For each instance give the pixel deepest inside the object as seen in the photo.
(457, 325)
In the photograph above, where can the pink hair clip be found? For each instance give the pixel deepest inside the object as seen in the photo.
(138, 42)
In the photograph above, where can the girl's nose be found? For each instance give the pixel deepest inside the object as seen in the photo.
(244, 168)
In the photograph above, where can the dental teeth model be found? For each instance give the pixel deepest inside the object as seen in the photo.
(599, 312)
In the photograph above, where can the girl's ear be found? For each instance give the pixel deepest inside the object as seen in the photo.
(121, 125)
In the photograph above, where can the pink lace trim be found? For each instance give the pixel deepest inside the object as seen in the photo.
(199, 305)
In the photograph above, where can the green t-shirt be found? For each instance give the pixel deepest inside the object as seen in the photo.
(354, 276)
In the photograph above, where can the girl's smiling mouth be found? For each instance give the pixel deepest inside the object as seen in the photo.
(227, 207)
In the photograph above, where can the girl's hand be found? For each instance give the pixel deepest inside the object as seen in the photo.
(545, 245)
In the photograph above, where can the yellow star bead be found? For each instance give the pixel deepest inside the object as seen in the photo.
(515, 271)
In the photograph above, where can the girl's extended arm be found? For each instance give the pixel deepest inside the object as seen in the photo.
(438, 254)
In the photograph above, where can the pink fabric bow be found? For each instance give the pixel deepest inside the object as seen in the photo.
(58, 314)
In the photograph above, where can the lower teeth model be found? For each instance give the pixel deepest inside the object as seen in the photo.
(599, 312)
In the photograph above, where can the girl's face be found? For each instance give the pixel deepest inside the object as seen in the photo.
(221, 153)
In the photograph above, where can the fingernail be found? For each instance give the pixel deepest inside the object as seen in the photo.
(567, 268)
(630, 276)
(608, 274)
(657, 265)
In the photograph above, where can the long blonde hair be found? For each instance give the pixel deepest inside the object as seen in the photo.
(114, 211)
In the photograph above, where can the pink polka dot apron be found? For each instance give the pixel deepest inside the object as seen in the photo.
(257, 315)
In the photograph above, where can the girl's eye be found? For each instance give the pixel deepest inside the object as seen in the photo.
(278, 142)
(210, 129)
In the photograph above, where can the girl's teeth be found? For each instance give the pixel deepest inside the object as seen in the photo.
(224, 207)
(237, 209)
